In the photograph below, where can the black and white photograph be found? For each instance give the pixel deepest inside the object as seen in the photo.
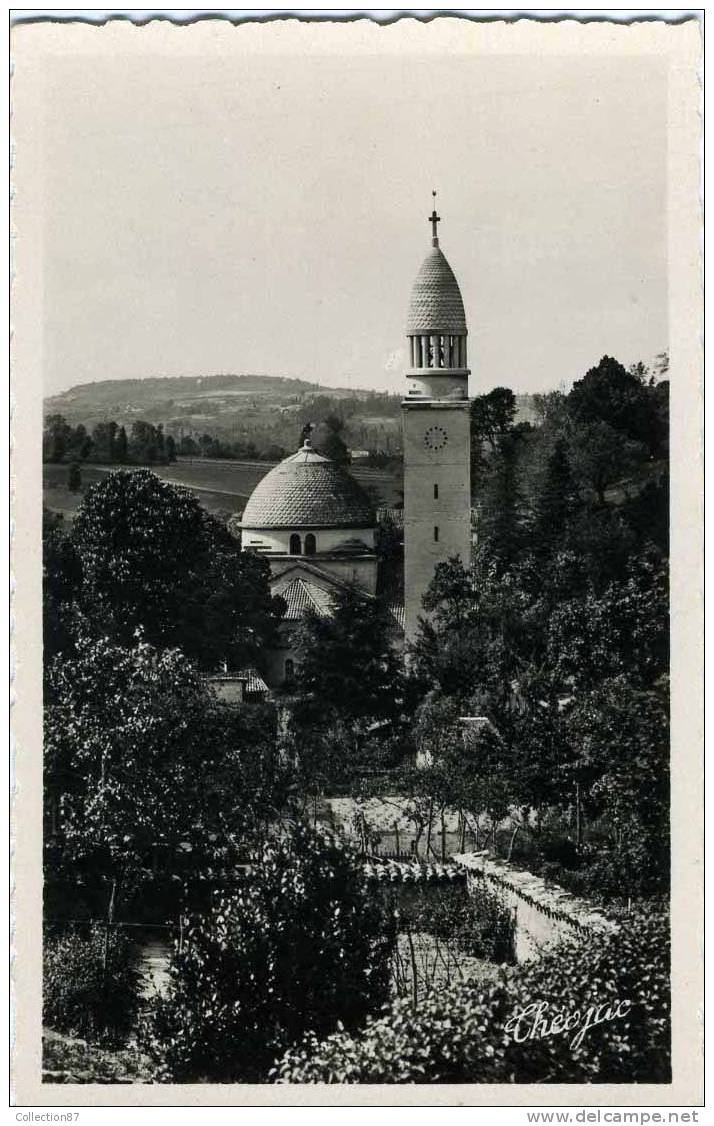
(348, 358)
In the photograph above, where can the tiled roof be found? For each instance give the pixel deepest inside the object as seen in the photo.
(436, 304)
(308, 490)
(392, 516)
(301, 596)
(254, 681)
(396, 609)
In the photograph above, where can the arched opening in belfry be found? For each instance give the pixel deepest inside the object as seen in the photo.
(295, 544)
(310, 544)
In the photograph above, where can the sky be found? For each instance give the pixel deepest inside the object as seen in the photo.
(268, 215)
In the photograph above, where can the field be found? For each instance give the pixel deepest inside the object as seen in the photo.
(221, 486)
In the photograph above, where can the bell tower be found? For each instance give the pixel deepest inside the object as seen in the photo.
(436, 427)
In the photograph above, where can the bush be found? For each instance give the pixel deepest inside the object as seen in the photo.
(475, 923)
(83, 996)
(468, 1034)
(299, 946)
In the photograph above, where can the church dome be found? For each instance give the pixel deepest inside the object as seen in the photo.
(436, 305)
(308, 490)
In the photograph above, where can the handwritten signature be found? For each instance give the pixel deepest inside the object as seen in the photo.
(537, 1022)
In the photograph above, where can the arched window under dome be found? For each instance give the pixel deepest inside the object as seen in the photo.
(310, 544)
(295, 544)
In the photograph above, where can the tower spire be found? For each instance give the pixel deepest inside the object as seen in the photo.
(434, 219)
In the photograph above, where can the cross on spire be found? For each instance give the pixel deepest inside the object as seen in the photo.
(434, 219)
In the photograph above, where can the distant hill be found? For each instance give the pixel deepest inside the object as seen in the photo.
(267, 411)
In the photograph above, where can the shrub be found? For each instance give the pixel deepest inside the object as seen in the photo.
(299, 946)
(476, 923)
(467, 1034)
(84, 995)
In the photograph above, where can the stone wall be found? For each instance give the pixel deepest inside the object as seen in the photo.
(544, 913)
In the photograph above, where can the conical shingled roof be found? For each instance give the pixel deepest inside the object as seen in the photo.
(436, 304)
(308, 490)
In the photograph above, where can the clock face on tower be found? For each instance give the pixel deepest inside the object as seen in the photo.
(435, 438)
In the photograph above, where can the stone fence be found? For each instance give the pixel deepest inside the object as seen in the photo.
(544, 913)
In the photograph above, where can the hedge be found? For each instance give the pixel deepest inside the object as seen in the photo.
(91, 982)
(613, 990)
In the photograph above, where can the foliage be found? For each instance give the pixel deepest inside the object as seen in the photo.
(622, 400)
(333, 444)
(139, 756)
(298, 947)
(347, 663)
(90, 982)
(60, 579)
(108, 442)
(69, 1060)
(462, 1034)
(74, 477)
(150, 557)
(567, 682)
(476, 923)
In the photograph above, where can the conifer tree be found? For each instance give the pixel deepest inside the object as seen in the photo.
(555, 501)
(74, 478)
(122, 446)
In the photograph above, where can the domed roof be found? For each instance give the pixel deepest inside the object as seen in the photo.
(435, 304)
(308, 490)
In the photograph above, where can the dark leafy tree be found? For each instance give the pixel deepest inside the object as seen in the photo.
(122, 446)
(348, 663)
(333, 444)
(74, 477)
(601, 457)
(620, 399)
(503, 522)
(170, 449)
(555, 502)
(61, 572)
(303, 945)
(493, 416)
(57, 437)
(139, 756)
(152, 559)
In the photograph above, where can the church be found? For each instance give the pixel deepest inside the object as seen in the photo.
(317, 526)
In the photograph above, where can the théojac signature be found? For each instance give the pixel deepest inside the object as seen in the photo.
(537, 1022)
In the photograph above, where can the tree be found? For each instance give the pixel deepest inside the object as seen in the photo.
(333, 445)
(152, 558)
(170, 449)
(144, 441)
(622, 767)
(503, 521)
(122, 446)
(81, 442)
(348, 664)
(74, 478)
(301, 944)
(61, 574)
(602, 456)
(623, 631)
(492, 416)
(555, 502)
(620, 399)
(56, 438)
(187, 446)
(138, 755)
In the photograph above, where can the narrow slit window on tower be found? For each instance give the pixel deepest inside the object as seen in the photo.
(436, 492)
(436, 534)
